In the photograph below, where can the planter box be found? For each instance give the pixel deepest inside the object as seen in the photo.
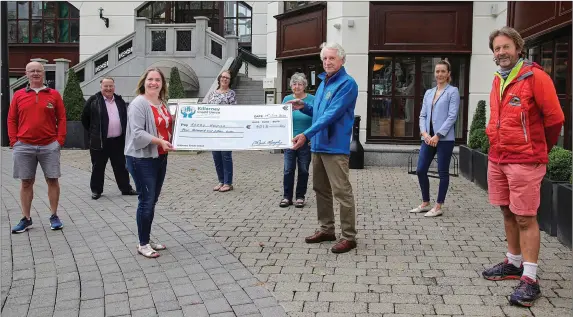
(77, 137)
(564, 214)
(466, 162)
(479, 169)
(547, 211)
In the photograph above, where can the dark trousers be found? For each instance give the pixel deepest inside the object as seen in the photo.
(112, 150)
(148, 175)
(224, 166)
(444, 150)
(292, 159)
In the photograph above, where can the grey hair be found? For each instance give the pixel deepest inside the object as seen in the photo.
(298, 78)
(334, 46)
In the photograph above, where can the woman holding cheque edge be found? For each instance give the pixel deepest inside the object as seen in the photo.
(148, 136)
(302, 156)
(223, 159)
(437, 121)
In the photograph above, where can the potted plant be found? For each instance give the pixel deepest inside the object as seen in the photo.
(558, 172)
(564, 214)
(175, 87)
(74, 102)
(480, 143)
(466, 152)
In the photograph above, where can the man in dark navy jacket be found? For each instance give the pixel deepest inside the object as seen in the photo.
(105, 119)
(332, 118)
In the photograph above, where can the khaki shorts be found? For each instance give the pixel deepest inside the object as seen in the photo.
(516, 186)
(26, 158)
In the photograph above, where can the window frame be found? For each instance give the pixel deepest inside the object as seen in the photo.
(418, 97)
(237, 18)
(72, 11)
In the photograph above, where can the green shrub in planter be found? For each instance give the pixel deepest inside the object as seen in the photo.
(476, 138)
(478, 121)
(73, 98)
(175, 90)
(484, 144)
(559, 167)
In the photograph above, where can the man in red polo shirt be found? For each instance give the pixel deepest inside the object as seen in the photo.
(37, 131)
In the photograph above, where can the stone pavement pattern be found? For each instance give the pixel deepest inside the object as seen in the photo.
(405, 265)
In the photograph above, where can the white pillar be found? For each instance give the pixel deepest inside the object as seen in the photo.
(200, 37)
(232, 46)
(139, 45)
(62, 66)
(274, 67)
(352, 32)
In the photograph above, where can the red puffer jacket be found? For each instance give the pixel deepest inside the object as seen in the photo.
(525, 116)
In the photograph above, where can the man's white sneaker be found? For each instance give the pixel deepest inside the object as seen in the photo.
(420, 209)
(434, 213)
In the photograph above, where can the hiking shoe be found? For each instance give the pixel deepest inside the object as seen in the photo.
(525, 293)
(23, 225)
(55, 223)
(503, 271)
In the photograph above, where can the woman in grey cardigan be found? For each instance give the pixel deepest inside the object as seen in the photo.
(147, 141)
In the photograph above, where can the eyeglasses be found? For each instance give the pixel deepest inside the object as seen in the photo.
(34, 71)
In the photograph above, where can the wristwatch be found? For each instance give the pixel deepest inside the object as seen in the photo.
(440, 135)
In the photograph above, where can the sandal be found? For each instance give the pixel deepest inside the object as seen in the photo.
(157, 246)
(299, 203)
(285, 203)
(225, 188)
(216, 188)
(147, 251)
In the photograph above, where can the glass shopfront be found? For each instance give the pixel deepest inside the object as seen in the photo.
(397, 85)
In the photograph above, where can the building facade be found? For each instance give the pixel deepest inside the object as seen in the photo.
(392, 47)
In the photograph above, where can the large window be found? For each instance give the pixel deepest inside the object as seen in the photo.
(225, 18)
(182, 12)
(238, 20)
(397, 87)
(554, 55)
(31, 22)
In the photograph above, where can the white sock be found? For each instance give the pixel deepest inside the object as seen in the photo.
(530, 270)
(514, 259)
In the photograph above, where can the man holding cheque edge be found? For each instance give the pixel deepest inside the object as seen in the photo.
(332, 119)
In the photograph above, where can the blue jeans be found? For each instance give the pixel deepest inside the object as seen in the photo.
(292, 158)
(148, 175)
(224, 166)
(444, 150)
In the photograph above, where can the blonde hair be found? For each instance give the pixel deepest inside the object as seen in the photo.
(140, 90)
(512, 34)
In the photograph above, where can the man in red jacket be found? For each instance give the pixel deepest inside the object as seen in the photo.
(37, 131)
(525, 122)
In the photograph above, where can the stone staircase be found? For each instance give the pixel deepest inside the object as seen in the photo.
(249, 91)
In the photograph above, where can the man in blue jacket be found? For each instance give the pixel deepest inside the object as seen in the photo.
(332, 118)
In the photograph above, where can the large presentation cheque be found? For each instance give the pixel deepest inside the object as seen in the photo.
(232, 127)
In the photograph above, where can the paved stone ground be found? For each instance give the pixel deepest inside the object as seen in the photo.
(405, 265)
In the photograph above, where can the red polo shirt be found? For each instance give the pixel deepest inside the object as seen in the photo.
(37, 118)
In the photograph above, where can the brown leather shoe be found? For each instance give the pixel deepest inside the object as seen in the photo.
(343, 246)
(320, 236)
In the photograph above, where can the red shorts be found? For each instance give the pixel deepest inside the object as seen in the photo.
(516, 186)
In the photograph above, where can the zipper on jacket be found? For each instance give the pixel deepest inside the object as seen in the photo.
(523, 126)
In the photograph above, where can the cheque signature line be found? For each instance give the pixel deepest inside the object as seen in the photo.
(211, 137)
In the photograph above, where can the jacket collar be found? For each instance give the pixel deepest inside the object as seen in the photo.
(28, 88)
(340, 72)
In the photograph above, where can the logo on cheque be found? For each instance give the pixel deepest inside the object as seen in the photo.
(188, 111)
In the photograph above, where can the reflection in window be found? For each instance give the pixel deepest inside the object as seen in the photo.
(397, 92)
(238, 20)
(42, 22)
(160, 12)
